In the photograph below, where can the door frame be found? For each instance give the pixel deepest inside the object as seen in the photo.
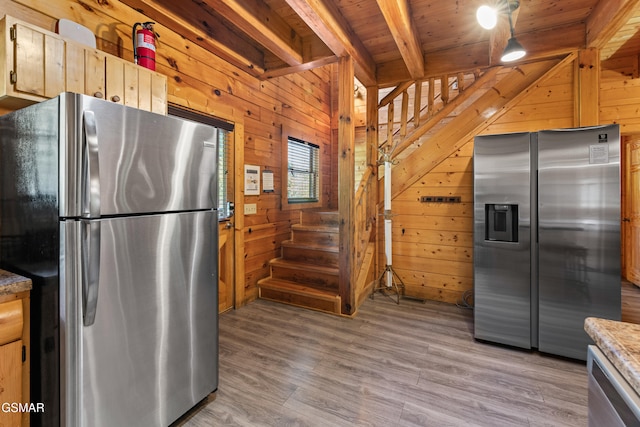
(628, 201)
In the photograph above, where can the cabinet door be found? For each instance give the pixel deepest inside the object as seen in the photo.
(114, 79)
(74, 73)
(94, 73)
(11, 381)
(158, 93)
(132, 86)
(39, 62)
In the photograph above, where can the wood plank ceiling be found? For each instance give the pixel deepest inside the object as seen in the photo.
(391, 41)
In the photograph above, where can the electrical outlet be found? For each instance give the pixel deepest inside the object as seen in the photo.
(250, 209)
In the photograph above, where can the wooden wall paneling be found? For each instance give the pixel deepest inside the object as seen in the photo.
(416, 273)
(620, 94)
(462, 238)
(619, 67)
(74, 78)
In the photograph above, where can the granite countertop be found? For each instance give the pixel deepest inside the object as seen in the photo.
(620, 342)
(11, 283)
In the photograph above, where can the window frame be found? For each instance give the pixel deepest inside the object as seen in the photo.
(301, 204)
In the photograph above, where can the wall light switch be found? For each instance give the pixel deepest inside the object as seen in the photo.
(250, 209)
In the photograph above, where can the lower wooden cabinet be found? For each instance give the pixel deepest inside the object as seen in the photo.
(14, 360)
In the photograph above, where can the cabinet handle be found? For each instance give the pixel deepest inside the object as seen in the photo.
(115, 98)
(98, 95)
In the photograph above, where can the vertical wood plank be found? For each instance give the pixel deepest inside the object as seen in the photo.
(238, 199)
(53, 66)
(114, 80)
(74, 70)
(94, 76)
(587, 87)
(132, 86)
(11, 384)
(390, 114)
(444, 89)
(372, 159)
(158, 93)
(145, 98)
(29, 65)
(417, 103)
(460, 79)
(26, 363)
(346, 180)
(404, 114)
(431, 96)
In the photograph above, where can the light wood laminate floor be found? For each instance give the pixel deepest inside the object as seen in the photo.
(411, 364)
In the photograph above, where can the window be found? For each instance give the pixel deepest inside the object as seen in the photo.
(225, 156)
(303, 159)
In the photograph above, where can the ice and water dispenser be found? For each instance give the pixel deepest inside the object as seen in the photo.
(501, 222)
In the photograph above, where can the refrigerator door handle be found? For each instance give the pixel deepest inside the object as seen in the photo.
(90, 250)
(90, 168)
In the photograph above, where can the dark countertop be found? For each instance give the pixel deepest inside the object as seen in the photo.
(11, 283)
(620, 342)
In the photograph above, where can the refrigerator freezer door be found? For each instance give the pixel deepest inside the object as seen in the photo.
(151, 352)
(579, 235)
(132, 161)
(502, 221)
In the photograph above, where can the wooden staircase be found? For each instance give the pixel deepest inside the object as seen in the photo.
(307, 273)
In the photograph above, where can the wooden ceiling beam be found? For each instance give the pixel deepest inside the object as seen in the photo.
(256, 19)
(203, 29)
(330, 26)
(397, 14)
(278, 72)
(607, 18)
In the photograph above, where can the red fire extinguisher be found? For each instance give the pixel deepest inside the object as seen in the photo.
(144, 45)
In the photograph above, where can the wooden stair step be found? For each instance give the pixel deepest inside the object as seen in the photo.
(311, 253)
(292, 293)
(319, 276)
(318, 234)
(309, 217)
(319, 246)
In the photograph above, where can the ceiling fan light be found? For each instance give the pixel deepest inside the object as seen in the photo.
(513, 51)
(487, 17)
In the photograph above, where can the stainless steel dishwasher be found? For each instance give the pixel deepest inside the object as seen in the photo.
(612, 400)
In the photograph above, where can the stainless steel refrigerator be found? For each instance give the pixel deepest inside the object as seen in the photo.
(546, 236)
(111, 211)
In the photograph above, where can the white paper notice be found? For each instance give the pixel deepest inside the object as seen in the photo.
(599, 153)
(267, 181)
(251, 180)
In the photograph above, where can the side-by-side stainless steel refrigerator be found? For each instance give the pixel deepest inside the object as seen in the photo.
(111, 211)
(546, 236)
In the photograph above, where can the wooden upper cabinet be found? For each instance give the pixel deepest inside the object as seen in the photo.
(36, 64)
(135, 86)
